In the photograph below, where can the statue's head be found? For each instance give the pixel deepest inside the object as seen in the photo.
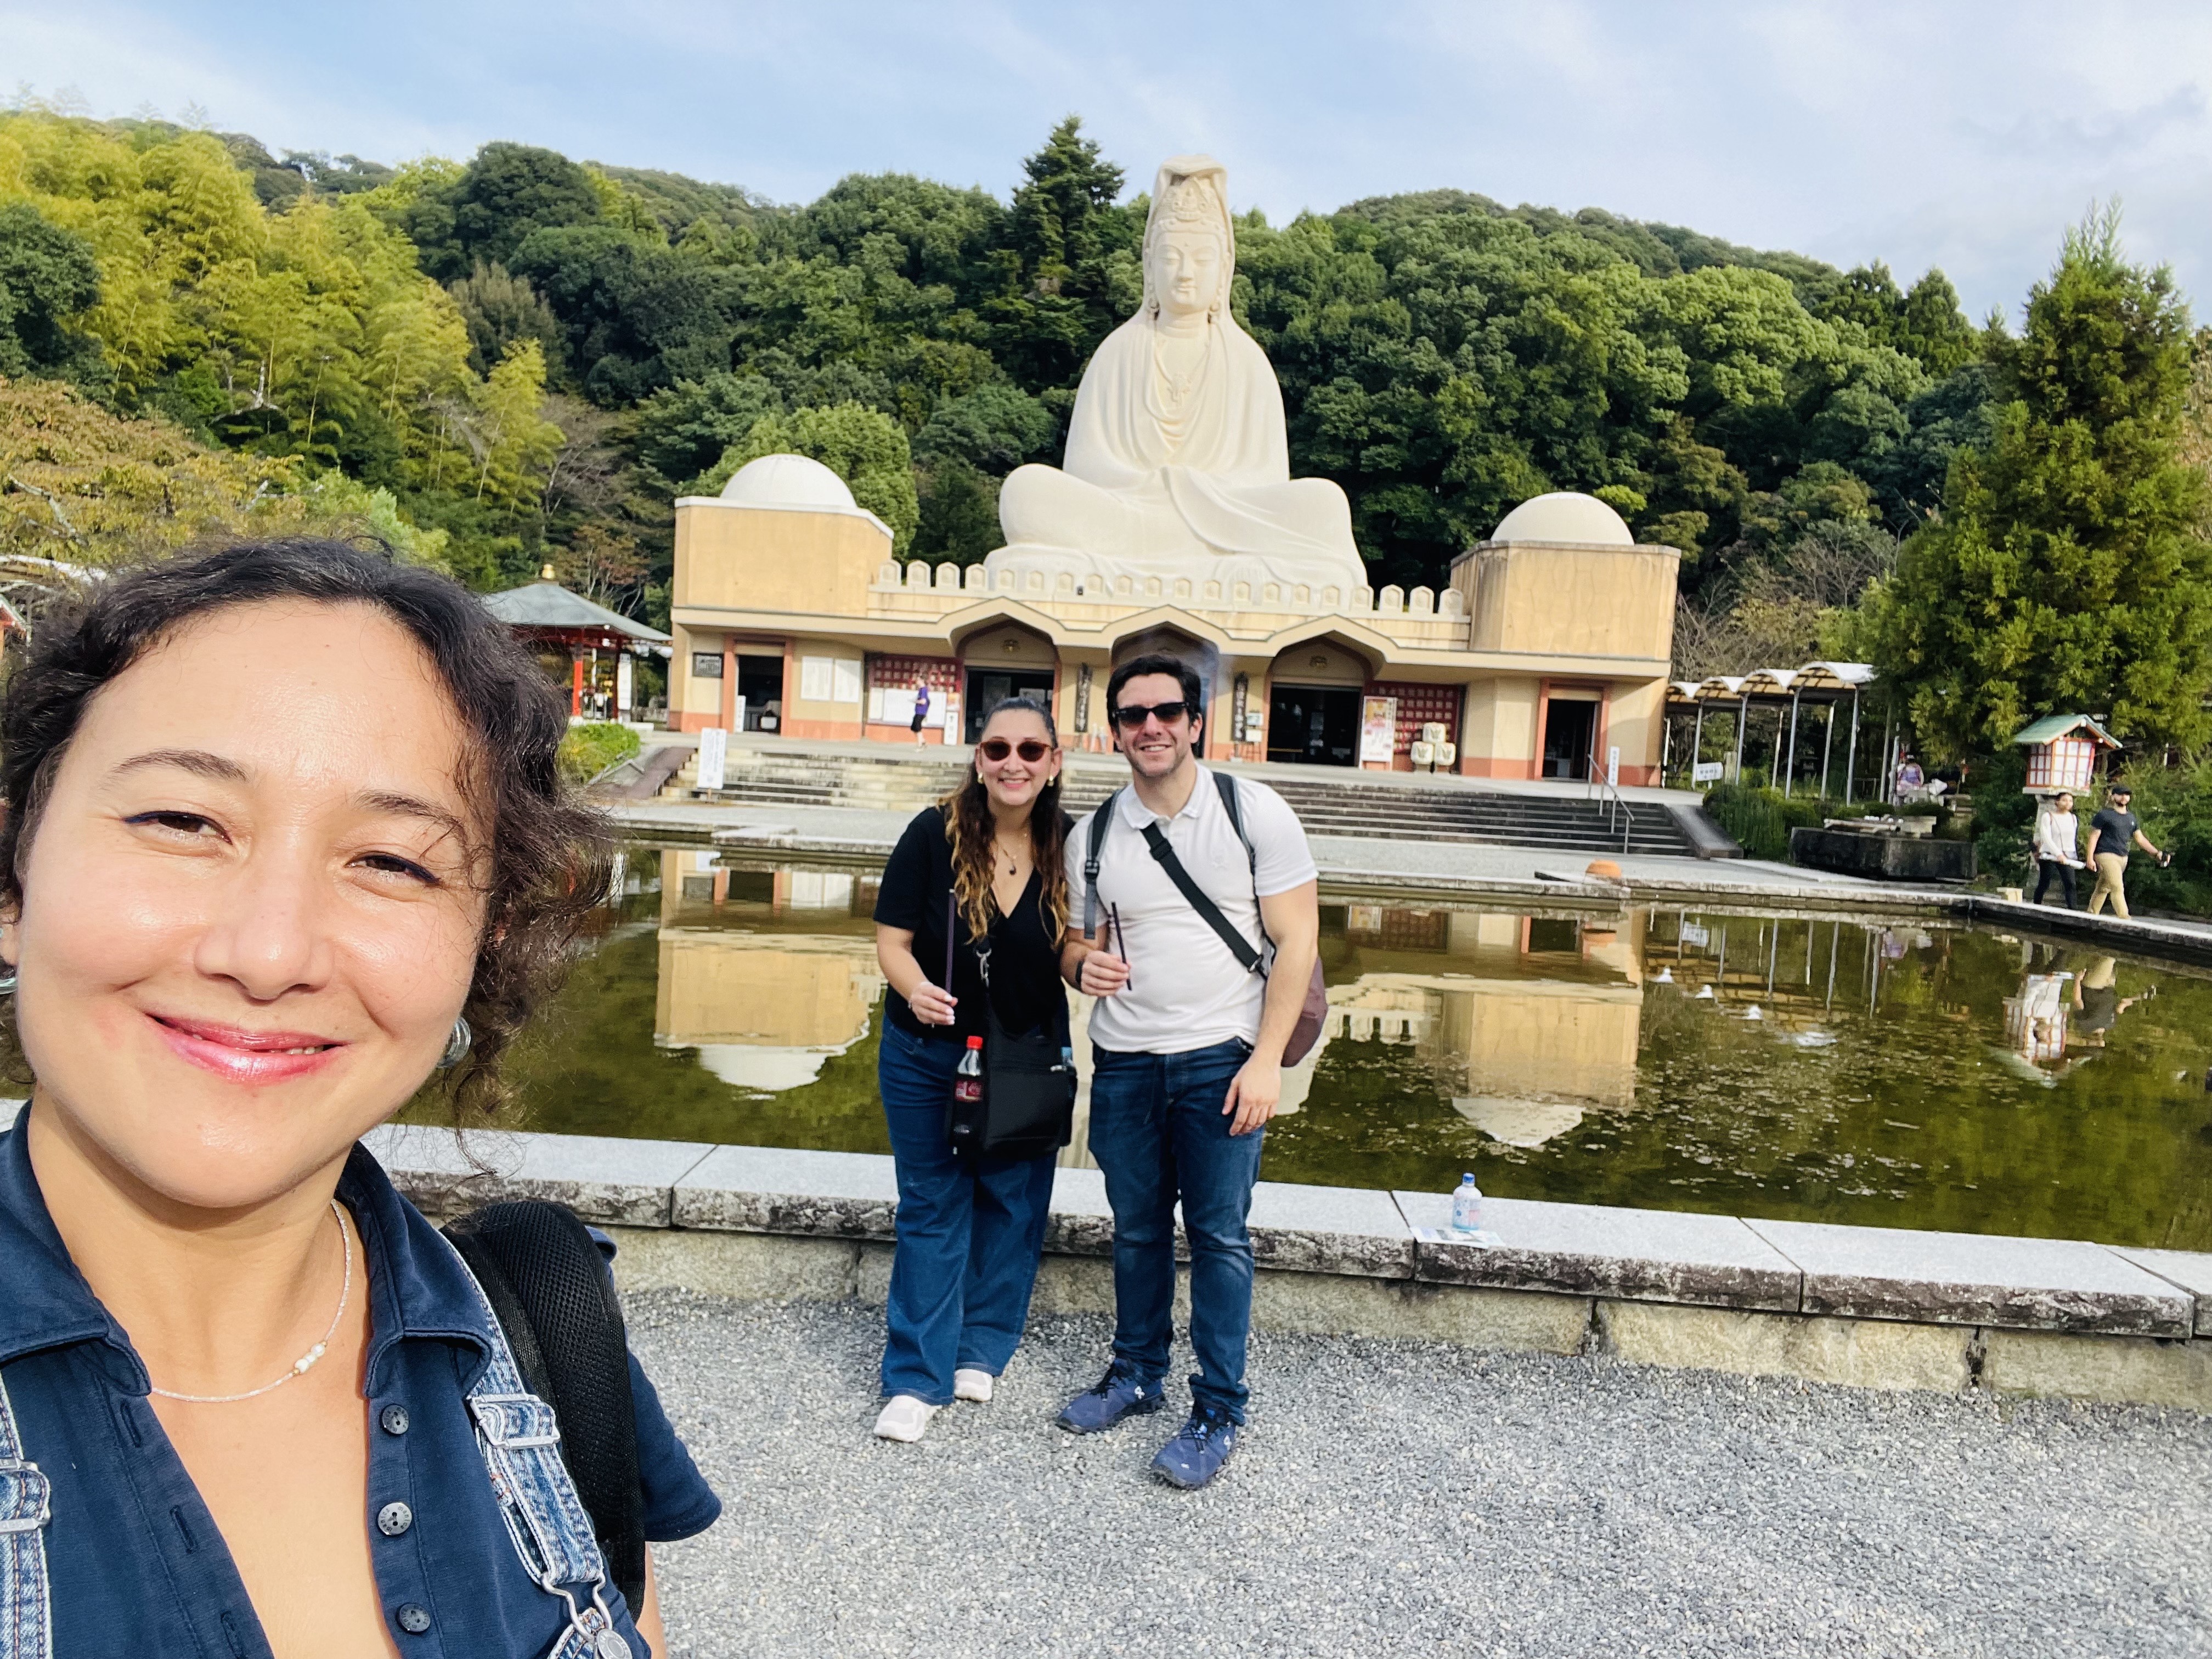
(1190, 242)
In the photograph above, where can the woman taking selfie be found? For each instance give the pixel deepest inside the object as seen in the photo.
(285, 840)
(985, 864)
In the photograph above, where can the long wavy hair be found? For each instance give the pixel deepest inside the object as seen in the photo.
(970, 829)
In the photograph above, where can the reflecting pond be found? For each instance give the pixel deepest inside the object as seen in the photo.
(1892, 1074)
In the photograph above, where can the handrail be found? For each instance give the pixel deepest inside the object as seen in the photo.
(1617, 808)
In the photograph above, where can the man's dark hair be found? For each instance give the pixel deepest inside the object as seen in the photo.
(546, 857)
(1194, 692)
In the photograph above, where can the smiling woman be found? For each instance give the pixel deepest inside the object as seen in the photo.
(289, 837)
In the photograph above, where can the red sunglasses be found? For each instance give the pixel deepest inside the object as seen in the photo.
(1029, 749)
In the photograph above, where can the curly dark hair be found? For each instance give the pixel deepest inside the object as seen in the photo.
(548, 856)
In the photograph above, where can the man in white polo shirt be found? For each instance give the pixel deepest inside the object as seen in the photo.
(1187, 1046)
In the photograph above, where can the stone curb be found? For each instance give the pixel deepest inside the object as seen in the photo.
(1624, 1256)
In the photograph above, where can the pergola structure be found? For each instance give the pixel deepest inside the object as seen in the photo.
(1785, 691)
(548, 616)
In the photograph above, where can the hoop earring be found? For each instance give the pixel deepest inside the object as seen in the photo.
(457, 1045)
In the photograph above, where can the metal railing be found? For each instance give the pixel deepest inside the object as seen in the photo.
(1617, 810)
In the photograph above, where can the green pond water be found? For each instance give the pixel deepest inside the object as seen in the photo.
(1892, 1074)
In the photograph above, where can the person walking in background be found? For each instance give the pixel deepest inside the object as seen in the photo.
(1187, 1046)
(2057, 848)
(986, 862)
(2111, 833)
(921, 707)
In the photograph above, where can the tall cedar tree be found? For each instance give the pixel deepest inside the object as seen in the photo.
(2068, 571)
(1065, 231)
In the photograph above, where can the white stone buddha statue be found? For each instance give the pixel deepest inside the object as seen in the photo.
(1177, 463)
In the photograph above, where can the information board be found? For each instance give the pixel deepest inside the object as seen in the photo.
(1378, 729)
(714, 757)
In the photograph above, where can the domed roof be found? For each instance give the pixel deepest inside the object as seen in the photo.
(1565, 515)
(788, 481)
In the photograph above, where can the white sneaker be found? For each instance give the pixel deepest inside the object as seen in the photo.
(904, 1418)
(972, 1385)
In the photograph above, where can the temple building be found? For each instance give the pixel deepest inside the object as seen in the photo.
(1174, 524)
(1549, 648)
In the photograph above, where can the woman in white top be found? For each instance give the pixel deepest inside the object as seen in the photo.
(2059, 846)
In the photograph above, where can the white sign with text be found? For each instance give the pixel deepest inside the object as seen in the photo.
(714, 757)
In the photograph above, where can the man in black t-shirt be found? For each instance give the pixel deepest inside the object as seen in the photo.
(2112, 832)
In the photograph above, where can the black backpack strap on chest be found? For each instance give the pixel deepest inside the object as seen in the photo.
(1248, 959)
(551, 1289)
(1099, 822)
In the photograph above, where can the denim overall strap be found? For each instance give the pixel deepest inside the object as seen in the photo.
(552, 1532)
(25, 1610)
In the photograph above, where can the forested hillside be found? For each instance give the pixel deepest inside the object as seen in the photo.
(525, 358)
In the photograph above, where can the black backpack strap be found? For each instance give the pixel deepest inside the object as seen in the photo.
(1099, 822)
(551, 1290)
(1239, 946)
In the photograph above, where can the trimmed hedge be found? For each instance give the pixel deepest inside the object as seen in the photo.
(588, 750)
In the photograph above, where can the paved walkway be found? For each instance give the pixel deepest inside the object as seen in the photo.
(1348, 856)
(1393, 1498)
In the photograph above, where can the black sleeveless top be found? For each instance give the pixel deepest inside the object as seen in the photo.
(1026, 989)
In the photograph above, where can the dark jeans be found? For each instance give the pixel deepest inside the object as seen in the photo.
(2065, 874)
(1159, 1135)
(969, 1239)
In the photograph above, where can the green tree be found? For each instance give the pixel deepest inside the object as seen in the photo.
(491, 208)
(49, 278)
(2068, 570)
(1064, 241)
(864, 447)
(499, 308)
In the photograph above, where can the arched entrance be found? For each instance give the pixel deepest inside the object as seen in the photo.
(1005, 660)
(1313, 704)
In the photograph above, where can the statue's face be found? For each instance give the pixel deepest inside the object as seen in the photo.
(1186, 265)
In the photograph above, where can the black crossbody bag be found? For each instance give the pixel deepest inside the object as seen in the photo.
(1028, 1108)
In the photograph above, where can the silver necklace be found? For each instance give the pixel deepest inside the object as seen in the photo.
(306, 1362)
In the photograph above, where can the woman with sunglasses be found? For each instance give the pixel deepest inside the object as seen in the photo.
(989, 861)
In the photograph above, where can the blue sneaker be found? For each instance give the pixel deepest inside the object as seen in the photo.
(1119, 1394)
(1201, 1447)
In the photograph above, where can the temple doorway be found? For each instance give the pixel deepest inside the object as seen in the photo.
(1569, 727)
(1313, 725)
(989, 687)
(760, 683)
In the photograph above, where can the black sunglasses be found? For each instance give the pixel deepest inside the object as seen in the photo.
(1029, 749)
(1131, 715)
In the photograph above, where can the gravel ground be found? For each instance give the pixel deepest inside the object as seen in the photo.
(1397, 1497)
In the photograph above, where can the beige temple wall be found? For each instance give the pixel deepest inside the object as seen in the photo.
(770, 559)
(1499, 729)
(1570, 601)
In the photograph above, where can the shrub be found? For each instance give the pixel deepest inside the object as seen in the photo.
(1761, 819)
(589, 750)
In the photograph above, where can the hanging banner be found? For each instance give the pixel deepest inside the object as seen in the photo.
(1378, 729)
(714, 757)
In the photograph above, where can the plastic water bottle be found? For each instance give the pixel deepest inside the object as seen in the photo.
(967, 1079)
(1467, 1207)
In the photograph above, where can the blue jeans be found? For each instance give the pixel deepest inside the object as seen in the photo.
(969, 1239)
(1159, 1135)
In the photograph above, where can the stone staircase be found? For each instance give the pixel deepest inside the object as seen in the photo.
(1329, 802)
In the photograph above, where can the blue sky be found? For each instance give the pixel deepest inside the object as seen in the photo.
(1962, 135)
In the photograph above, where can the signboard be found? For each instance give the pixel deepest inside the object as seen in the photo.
(714, 755)
(951, 717)
(1613, 767)
(625, 684)
(1695, 936)
(1378, 729)
(1706, 771)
